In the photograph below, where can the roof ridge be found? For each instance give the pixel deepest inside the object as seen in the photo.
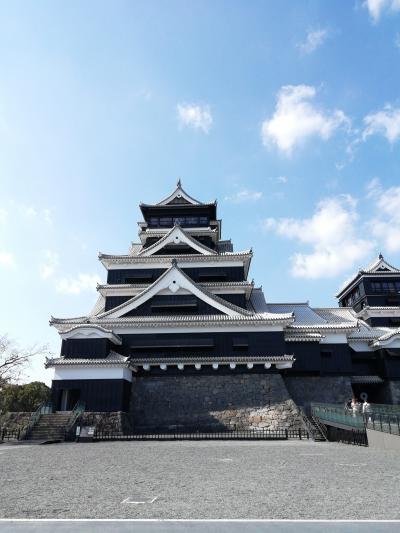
(168, 234)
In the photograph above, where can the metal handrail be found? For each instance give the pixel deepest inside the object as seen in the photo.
(76, 412)
(44, 408)
(387, 423)
(374, 407)
(308, 425)
(372, 419)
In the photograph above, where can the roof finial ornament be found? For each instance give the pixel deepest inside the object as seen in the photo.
(178, 183)
(380, 256)
(174, 262)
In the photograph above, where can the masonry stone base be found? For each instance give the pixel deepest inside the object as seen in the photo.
(329, 389)
(115, 422)
(394, 392)
(213, 401)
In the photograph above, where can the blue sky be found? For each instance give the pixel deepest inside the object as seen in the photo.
(287, 112)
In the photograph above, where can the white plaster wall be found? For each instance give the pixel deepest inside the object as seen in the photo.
(92, 373)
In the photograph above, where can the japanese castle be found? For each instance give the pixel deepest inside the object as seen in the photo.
(179, 332)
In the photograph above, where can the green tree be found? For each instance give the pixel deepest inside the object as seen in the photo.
(25, 397)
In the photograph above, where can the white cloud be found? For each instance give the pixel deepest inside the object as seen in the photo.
(48, 267)
(196, 116)
(28, 211)
(377, 7)
(385, 122)
(373, 187)
(46, 213)
(314, 39)
(282, 179)
(296, 119)
(7, 260)
(244, 196)
(332, 234)
(83, 282)
(386, 225)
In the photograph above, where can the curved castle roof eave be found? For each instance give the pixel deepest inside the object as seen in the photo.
(178, 193)
(378, 267)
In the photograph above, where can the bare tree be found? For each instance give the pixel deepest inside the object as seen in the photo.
(13, 359)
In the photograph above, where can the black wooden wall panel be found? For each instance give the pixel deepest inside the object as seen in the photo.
(85, 348)
(196, 274)
(258, 343)
(103, 395)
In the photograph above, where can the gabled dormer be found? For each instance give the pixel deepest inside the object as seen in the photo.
(176, 242)
(174, 292)
(374, 293)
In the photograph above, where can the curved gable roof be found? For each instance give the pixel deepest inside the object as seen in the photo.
(176, 236)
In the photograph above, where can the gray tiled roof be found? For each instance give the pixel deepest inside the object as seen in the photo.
(113, 359)
(174, 320)
(135, 248)
(99, 306)
(366, 379)
(306, 316)
(337, 315)
(204, 359)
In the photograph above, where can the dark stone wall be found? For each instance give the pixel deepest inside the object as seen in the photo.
(394, 389)
(325, 389)
(115, 422)
(219, 401)
(14, 419)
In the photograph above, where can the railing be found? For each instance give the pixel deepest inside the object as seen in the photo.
(10, 434)
(44, 408)
(338, 414)
(248, 434)
(76, 412)
(388, 423)
(314, 431)
(380, 417)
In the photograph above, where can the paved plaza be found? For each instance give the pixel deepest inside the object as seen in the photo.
(199, 480)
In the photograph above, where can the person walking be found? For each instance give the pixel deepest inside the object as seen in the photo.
(366, 410)
(355, 406)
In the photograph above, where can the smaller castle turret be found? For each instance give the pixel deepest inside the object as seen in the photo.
(374, 294)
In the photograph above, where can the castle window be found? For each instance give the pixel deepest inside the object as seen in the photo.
(240, 342)
(326, 353)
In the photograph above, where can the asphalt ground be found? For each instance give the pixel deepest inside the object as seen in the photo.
(199, 480)
(198, 527)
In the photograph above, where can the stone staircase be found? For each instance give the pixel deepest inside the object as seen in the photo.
(50, 427)
(315, 430)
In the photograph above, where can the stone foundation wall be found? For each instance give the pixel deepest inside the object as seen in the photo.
(14, 420)
(213, 401)
(325, 389)
(117, 422)
(394, 388)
